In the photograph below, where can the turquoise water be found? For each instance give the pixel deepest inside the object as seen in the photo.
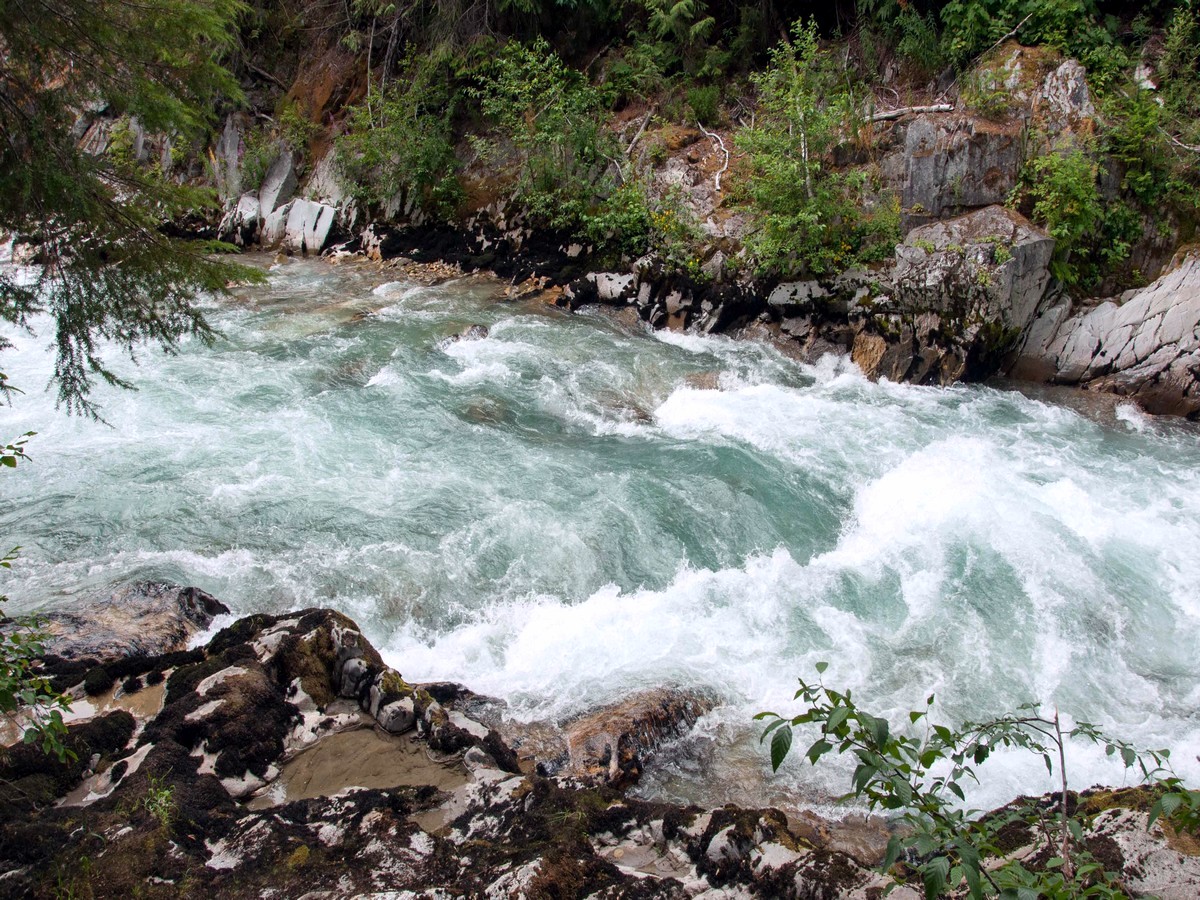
(574, 508)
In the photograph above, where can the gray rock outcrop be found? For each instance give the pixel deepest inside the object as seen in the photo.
(962, 293)
(279, 184)
(1144, 345)
(303, 226)
(241, 224)
(948, 163)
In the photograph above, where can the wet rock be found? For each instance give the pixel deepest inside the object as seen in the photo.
(1145, 345)
(612, 287)
(145, 619)
(157, 810)
(470, 333)
(611, 745)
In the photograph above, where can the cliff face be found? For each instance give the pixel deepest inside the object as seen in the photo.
(284, 759)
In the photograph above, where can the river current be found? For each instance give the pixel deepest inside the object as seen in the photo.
(574, 508)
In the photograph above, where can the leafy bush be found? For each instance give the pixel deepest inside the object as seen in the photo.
(296, 127)
(620, 225)
(400, 143)
(810, 218)
(920, 776)
(553, 117)
(259, 150)
(1066, 202)
(1179, 66)
(1074, 26)
(705, 103)
(675, 236)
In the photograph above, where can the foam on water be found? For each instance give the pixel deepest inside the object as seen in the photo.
(560, 514)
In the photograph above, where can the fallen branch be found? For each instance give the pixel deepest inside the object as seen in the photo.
(906, 110)
(716, 139)
(645, 122)
(265, 74)
(1191, 148)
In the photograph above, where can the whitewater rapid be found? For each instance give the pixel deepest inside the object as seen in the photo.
(574, 508)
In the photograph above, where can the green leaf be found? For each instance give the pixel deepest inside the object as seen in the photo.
(818, 749)
(1129, 756)
(893, 853)
(781, 743)
(1163, 806)
(933, 875)
(778, 723)
(974, 884)
(1076, 829)
(821, 667)
(837, 717)
(879, 730)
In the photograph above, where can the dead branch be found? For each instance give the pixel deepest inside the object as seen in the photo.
(716, 139)
(909, 110)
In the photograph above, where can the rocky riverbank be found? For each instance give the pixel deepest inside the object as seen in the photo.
(284, 759)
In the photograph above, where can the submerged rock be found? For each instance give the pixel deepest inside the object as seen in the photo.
(144, 619)
(470, 333)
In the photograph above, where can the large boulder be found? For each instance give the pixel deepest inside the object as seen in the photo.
(989, 266)
(303, 226)
(308, 226)
(962, 292)
(1144, 345)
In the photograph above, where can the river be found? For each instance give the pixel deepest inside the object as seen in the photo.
(575, 507)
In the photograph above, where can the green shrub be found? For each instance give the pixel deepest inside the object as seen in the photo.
(705, 103)
(919, 773)
(26, 696)
(1066, 202)
(553, 117)
(620, 225)
(296, 127)
(809, 218)
(400, 143)
(259, 150)
(675, 236)
(971, 27)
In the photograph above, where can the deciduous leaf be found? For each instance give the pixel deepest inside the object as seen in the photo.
(781, 743)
